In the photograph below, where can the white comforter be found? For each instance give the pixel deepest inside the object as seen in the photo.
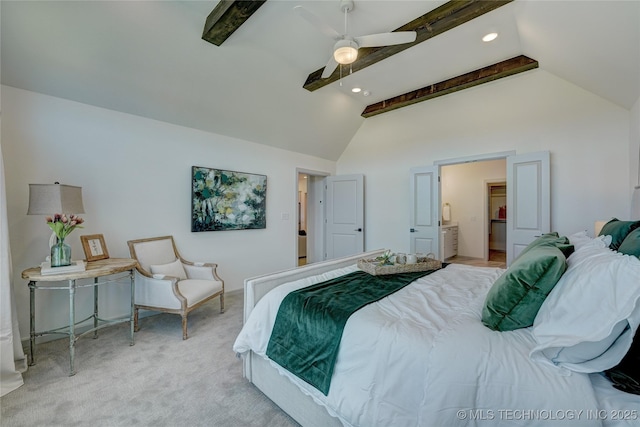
(422, 357)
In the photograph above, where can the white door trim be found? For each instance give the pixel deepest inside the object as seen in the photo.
(504, 155)
(499, 155)
(477, 158)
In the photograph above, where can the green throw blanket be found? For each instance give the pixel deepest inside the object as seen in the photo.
(310, 321)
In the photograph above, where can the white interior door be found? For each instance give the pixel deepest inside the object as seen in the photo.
(344, 215)
(424, 219)
(528, 200)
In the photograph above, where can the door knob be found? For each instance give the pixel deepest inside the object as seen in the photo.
(358, 229)
(412, 230)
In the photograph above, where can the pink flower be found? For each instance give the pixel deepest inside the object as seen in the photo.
(62, 225)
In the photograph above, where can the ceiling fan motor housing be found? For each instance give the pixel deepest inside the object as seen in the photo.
(346, 5)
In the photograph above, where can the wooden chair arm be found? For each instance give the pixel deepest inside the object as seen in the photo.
(199, 264)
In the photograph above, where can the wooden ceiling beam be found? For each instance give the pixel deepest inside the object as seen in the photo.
(437, 21)
(493, 72)
(226, 17)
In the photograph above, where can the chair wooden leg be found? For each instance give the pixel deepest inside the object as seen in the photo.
(136, 326)
(222, 303)
(184, 327)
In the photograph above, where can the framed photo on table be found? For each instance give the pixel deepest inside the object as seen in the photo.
(94, 247)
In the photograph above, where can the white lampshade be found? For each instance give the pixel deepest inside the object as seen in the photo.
(345, 51)
(48, 199)
(598, 226)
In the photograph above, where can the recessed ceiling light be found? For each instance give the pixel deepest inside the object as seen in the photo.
(356, 90)
(490, 37)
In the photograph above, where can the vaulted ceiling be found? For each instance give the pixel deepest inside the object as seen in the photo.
(148, 58)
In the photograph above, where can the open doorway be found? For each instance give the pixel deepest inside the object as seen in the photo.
(309, 221)
(528, 206)
(330, 220)
(496, 202)
(470, 192)
(303, 179)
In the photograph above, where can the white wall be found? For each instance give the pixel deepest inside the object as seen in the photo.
(135, 172)
(634, 146)
(136, 179)
(464, 188)
(588, 138)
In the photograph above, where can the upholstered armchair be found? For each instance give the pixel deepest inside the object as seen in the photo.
(164, 281)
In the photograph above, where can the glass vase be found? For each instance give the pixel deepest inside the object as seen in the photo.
(60, 254)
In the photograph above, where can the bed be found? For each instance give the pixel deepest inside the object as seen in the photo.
(424, 355)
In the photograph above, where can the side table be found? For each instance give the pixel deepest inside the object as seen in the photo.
(94, 270)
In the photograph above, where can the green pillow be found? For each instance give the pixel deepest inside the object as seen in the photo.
(618, 230)
(552, 238)
(631, 244)
(515, 298)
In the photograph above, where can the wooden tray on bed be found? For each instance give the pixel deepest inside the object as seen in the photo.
(374, 268)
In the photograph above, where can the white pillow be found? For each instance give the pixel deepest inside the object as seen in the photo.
(581, 239)
(174, 269)
(588, 321)
(198, 272)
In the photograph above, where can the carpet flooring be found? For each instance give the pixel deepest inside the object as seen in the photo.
(160, 381)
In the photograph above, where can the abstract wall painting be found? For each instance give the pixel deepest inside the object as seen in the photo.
(227, 200)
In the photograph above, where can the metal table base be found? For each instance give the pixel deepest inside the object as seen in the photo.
(70, 329)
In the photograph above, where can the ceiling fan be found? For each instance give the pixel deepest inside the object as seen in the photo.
(345, 51)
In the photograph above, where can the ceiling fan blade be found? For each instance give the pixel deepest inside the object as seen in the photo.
(315, 20)
(386, 39)
(329, 68)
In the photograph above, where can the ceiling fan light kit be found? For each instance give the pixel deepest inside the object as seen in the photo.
(345, 51)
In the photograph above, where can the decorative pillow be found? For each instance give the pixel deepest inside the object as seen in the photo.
(581, 239)
(618, 230)
(198, 272)
(626, 375)
(552, 238)
(174, 269)
(515, 298)
(587, 322)
(631, 244)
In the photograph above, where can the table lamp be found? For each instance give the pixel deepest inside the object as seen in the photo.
(49, 199)
(598, 227)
